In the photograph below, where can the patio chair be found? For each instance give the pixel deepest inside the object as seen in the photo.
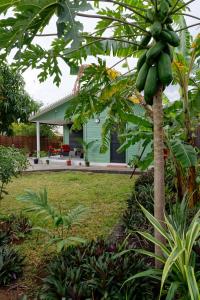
(65, 149)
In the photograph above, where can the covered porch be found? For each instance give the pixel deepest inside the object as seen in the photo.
(55, 115)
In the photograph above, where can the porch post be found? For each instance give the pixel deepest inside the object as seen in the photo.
(38, 138)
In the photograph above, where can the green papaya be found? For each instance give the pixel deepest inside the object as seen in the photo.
(165, 69)
(175, 41)
(141, 78)
(164, 9)
(141, 60)
(151, 85)
(154, 52)
(165, 36)
(156, 28)
(169, 51)
(170, 3)
(150, 15)
(145, 40)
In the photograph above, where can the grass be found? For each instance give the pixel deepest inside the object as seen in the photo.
(103, 194)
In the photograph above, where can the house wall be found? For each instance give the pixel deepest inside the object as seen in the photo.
(136, 148)
(56, 114)
(92, 131)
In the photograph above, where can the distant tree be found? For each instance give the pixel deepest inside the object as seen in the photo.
(15, 104)
(29, 129)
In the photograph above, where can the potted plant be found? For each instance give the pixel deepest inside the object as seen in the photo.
(36, 160)
(69, 162)
(86, 146)
(47, 161)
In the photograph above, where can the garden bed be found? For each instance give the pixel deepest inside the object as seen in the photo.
(101, 193)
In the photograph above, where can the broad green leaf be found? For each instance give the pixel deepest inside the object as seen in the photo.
(184, 153)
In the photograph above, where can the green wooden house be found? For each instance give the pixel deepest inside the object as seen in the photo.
(54, 114)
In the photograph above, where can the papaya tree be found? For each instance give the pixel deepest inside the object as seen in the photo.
(122, 29)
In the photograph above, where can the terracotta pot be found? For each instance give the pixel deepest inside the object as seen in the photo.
(69, 162)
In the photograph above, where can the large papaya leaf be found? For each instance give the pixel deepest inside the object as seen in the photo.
(184, 153)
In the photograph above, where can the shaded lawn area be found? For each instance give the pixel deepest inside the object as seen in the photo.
(103, 194)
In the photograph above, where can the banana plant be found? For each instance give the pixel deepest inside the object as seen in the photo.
(62, 221)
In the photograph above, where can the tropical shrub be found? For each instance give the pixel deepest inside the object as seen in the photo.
(143, 194)
(180, 272)
(16, 226)
(11, 264)
(92, 271)
(62, 221)
(12, 163)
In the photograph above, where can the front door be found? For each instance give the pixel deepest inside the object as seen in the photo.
(73, 138)
(116, 157)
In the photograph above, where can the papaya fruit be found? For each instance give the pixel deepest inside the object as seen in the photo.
(170, 3)
(169, 51)
(151, 85)
(141, 60)
(145, 40)
(175, 41)
(141, 78)
(156, 28)
(164, 9)
(165, 36)
(164, 69)
(150, 15)
(154, 52)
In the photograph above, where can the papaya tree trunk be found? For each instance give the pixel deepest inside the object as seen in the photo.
(159, 184)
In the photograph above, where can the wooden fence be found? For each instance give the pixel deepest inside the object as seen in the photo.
(29, 142)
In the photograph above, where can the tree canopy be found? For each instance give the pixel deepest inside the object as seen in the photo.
(15, 104)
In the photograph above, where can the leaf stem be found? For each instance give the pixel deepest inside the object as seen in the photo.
(112, 19)
(184, 5)
(184, 28)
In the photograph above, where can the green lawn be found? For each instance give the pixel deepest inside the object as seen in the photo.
(103, 194)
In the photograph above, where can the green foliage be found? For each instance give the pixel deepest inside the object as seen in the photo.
(143, 194)
(15, 226)
(11, 264)
(23, 129)
(12, 163)
(61, 221)
(179, 258)
(185, 154)
(15, 104)
(86, 147)
(91, 271)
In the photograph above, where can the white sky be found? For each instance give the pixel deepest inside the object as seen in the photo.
(47, 92)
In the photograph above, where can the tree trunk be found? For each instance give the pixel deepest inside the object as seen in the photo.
(159, 184)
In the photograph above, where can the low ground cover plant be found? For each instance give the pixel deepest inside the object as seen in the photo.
(92, 271)
(15, 226)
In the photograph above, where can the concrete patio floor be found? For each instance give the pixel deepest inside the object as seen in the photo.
(61, 165)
